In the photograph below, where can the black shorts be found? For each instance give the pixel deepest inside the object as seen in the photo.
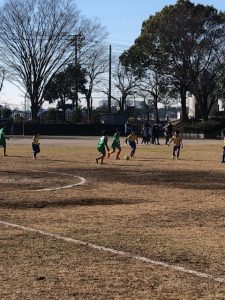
(175, 148)
(35, 148)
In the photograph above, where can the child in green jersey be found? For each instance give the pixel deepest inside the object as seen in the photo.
(102, 143)
(116, 144)
(3, 138)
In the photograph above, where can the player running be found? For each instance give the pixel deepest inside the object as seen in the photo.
(116, 144)
(177, 140)
(103, 142)
(133, 141)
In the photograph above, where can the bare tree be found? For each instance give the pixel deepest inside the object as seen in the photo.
(149, 85)
(34, 44)
(2, 77)
(93, 57)
(124, 84)
(95, 68)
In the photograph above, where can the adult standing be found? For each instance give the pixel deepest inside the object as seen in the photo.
(127, 129)
(145, 134)
(155, 134)
(170, 129)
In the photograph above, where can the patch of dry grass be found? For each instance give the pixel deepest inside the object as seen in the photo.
(171, 211)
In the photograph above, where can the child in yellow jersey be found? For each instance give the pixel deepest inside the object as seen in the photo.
(132, 140)
(35, 144)
(177, 140)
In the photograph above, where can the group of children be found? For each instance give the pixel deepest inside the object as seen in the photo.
(35, 141)
(132, 140)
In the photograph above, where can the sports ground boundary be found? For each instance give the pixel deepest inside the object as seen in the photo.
(82, 181)
(118, 252)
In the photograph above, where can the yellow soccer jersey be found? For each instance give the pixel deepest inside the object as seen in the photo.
(132, 137)
(36, 140)
(177, 140)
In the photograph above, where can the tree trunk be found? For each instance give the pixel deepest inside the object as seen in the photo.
(34, 111)
(156, 111)
(89, 107)
(123, 102)
(204, 108)
(184, 116)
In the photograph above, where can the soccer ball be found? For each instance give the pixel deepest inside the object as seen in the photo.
(127, 157)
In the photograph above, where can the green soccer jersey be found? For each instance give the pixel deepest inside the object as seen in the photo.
(2, 134)
(2, 138)
(116, 140)
(102, 141)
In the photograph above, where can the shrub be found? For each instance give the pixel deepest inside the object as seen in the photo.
(211, 128)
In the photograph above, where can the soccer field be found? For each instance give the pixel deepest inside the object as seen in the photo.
(145, 228)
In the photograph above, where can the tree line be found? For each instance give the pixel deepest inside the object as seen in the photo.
(54, 54)
(182, 48)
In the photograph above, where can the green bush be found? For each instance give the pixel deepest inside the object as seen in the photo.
(211, 128)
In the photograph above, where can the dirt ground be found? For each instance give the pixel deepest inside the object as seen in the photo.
(150, 206)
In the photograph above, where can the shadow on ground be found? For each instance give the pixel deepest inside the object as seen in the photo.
(186, 179)
(26, 204)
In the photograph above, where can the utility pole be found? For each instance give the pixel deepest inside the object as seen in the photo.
(76, 84)
(77, 38)
(110, 79)
(25, 112)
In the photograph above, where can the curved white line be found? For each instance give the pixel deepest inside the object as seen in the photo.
(120, 253)
(82, 181)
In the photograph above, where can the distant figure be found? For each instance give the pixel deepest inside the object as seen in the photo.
(155, 134)
(149, 134)
(132, 140)
(116, 144)
(166, 135)
(168, 132)
(127, 129)
(102, 143)
(145, 133)
(3, 138)
(12, 129)
(35, 144)
(177, 140)
(170, 129)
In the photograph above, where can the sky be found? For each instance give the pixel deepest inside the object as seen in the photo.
(122, 20)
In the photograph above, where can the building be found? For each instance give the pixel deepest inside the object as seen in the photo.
(192, 107)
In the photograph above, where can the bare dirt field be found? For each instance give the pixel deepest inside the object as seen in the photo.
(146, 228)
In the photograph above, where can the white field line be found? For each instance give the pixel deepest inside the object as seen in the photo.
(82, 181)
(120, 253)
